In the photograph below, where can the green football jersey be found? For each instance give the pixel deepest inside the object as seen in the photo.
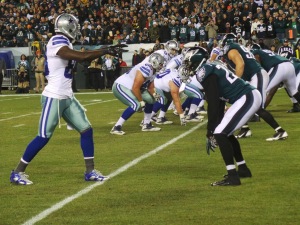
(251, 65)
(268, 58)
(230, 86)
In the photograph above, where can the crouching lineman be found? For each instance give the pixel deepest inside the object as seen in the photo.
(221, 86)
(280, 70)
(167, 84)
(135, 89)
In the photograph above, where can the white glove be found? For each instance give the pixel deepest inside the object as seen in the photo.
(142, 105)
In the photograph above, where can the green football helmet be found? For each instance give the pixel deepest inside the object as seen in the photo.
(195, 58)
(255, 46)
(229, 38)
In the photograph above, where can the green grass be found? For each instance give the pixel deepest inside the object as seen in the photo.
(170, 187)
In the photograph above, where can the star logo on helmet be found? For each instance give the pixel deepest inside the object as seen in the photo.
(71, 20)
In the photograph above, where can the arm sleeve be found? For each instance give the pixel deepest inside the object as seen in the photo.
(210, 86)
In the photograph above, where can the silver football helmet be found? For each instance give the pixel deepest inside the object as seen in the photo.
(68, 25)
(184, 73)
(172, 47)
(157, 61)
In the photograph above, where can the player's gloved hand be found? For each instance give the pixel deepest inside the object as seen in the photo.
(182, 119)
(142, 106)
(211, 142)
(156, 96)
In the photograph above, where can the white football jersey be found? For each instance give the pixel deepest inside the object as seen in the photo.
(58, 70)
(144, 67)
(175, 62)
(162, 79)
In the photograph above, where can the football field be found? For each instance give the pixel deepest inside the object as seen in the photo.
(160, 178)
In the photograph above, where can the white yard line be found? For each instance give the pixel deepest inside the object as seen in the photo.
(15, 117)
(19, 125)
(122, 169)
(30, 114)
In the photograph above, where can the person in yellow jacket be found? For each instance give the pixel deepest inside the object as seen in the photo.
(39, 69)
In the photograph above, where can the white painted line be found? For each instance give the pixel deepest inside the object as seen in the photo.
(10, 99)
(19, 125)
(15, 117)
(30, 114)
(122, 169)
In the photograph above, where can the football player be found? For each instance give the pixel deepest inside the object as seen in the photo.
(243, 62)
(167, 84)
(135, 89)
(59, 101)
(280, 70)
(221, 86)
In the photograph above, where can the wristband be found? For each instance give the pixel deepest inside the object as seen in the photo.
(181, 116)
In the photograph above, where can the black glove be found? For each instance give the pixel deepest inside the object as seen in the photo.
(211, 142)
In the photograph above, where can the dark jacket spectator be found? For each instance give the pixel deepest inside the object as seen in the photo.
(164, 32)
(135, 58)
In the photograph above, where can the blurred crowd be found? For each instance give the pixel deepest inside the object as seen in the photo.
(146, 21)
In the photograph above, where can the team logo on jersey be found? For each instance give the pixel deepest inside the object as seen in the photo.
(201, 74)
(225, 49)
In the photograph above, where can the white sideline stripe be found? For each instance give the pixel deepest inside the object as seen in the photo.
(122, 169)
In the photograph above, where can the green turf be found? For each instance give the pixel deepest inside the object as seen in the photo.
(170, 187)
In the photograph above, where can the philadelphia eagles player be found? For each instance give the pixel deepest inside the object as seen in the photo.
(280, 70)
(222, 86)
(243, 62)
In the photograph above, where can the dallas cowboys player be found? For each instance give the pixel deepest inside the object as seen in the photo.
(220, 86)
(167, 84)
(243, 62)
(58, 99)
(135, 89)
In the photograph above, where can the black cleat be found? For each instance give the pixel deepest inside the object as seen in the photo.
(228, 181)
(244, 133)
(243, 173)
(295, 109)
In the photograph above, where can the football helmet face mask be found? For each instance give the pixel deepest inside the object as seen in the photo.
(172, 47)
(157, 61)
(68, 25)
(229, 38)
(184, 73)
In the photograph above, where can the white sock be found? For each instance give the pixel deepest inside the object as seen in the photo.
(120, 122)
